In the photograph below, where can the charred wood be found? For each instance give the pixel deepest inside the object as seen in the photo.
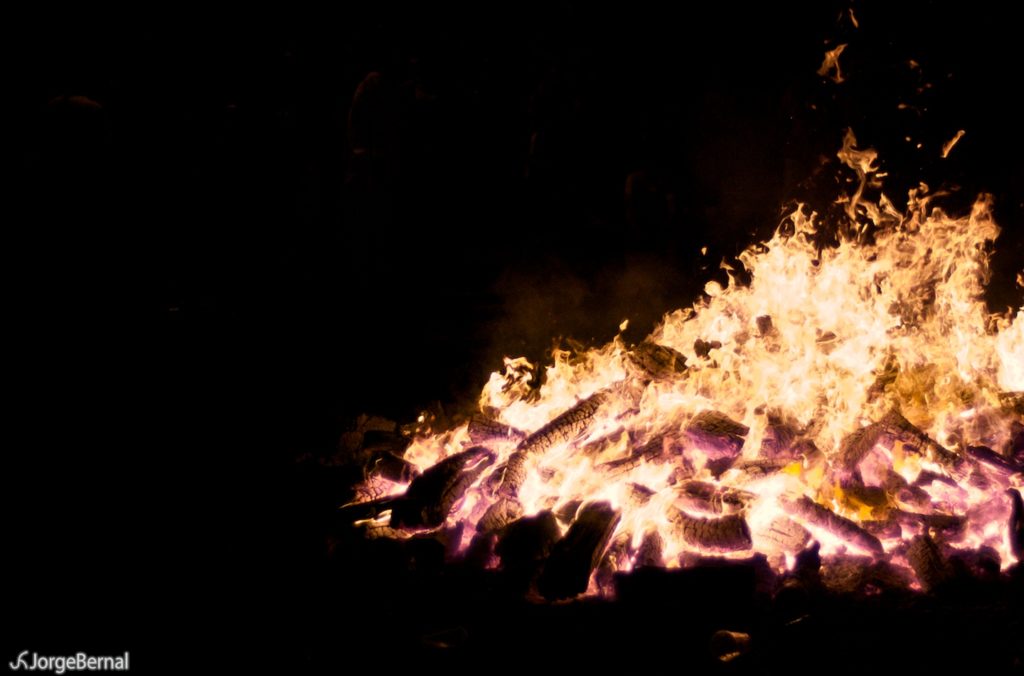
(726, 646)
(992, 460)
(566, 513)
(982, 563)
(780, 437)
(638, 494)
(651, 449)
(502, 512)
(358, 511)
(650, 553)
(525, 544)
(814, 514)
(724, 534)
(946, 525)
(387, 465)
(787, 535)
(566, 427)
(656, 360)
(897, 429)
(716, 434)
(616, 559)
(1016, 526)
(483, 429)
(430, 496)
(702, 348)
(929, 564)
(709, 498)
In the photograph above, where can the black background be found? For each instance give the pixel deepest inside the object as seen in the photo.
(203, 282)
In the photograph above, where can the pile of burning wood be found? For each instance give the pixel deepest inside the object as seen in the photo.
(562, 551)
(856, 403)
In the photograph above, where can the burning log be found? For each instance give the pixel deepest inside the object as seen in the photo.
(708, 498)
(501, 513)
(566, 513)
(780, 437)
(947, 525)
(884, 528)
(758, 468)
(702, 348)
(656, 360)
(651, 551)
(431, 496)
(566, 427)
(992, 460)
(856, 446)
(482, 429)
(930, 566)
(894, 429)
(786, 534)
(719, 437)
(897, 429)
(638, 494)
(655, 447)
(861, 575)
(814, 514)
(728, 645)
(725, 534)
(573, 558)
(602, 444)
(360, 511)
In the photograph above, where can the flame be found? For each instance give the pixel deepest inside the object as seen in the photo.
(831, 63)
(811, 358)
(948, 145)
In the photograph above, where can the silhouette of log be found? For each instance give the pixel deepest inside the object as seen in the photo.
(430, 496)
(724, 534)
(813, 514)
(573, 558)
(527, 541)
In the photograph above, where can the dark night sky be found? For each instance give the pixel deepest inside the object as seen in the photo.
(205, 277)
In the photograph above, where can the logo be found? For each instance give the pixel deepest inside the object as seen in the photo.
(65, 663)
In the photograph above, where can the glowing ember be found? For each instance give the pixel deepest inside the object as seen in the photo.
(859, 395)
